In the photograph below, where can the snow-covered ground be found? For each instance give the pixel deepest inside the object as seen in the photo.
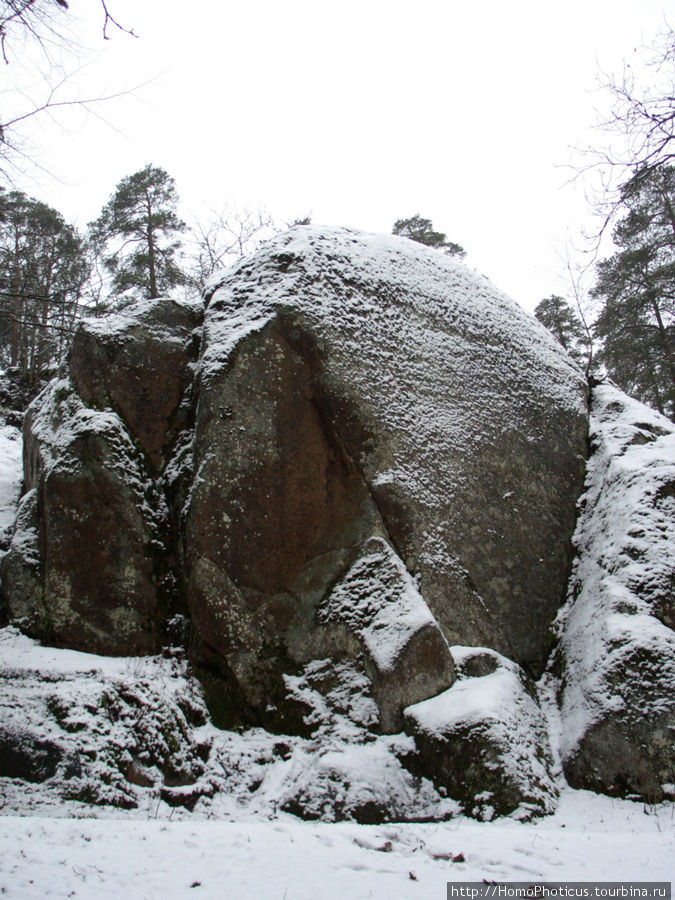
(589, 838)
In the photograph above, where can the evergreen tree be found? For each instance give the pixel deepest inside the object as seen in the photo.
(136, 234)
(637, 288)
(559, 317)
(421, 230)
(43, 271)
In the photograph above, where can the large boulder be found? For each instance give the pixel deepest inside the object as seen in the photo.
(354, 387)
(614, 667)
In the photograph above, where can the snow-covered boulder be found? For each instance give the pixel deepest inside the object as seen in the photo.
(97, 732)
(615, 662)
(404, 650)
(485, 739)
(355, 386)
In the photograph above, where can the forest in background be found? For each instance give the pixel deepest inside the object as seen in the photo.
(617, 321)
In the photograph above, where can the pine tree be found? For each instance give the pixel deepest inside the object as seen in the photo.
(559, 317)
(136, 234)
(43, 271)
(421, 230)
(637, 288)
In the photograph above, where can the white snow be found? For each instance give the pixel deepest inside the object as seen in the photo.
(248, 848)
(21, 653)
(472, 700)
(589, 838)
(60, 418)
(128, 318)
(105, 715)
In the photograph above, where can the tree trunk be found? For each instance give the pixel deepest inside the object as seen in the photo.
(17, 304)
(152, 264)
(665, 339)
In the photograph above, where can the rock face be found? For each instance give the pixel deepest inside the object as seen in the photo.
(404, 650)
(89, 558)
(616, 657)
(365, 453)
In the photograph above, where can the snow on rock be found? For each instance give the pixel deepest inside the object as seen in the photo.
(615, 665)
(379, 599)
(379, 602)
(485, 739)
(93, 731)
(138, 362)
(91, 562)
(364, 782)
(101, 736)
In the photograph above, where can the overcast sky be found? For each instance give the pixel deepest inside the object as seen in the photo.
(357, 113)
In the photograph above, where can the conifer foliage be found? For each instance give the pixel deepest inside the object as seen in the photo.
(421, 230)
(137, 234)
(44, 266)
(558, 316)
(636, 287)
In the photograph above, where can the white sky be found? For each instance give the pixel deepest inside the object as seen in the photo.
(356, 112)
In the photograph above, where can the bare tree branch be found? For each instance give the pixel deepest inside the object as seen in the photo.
(41, 24)
(639, 129)
(223, 238)
(109, 19)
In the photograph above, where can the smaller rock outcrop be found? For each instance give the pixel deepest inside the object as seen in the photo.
(84, 476)
(84, 732)
(485, 739)
(90, 559)
(98, 738)
(138, 363)
(614, 667)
